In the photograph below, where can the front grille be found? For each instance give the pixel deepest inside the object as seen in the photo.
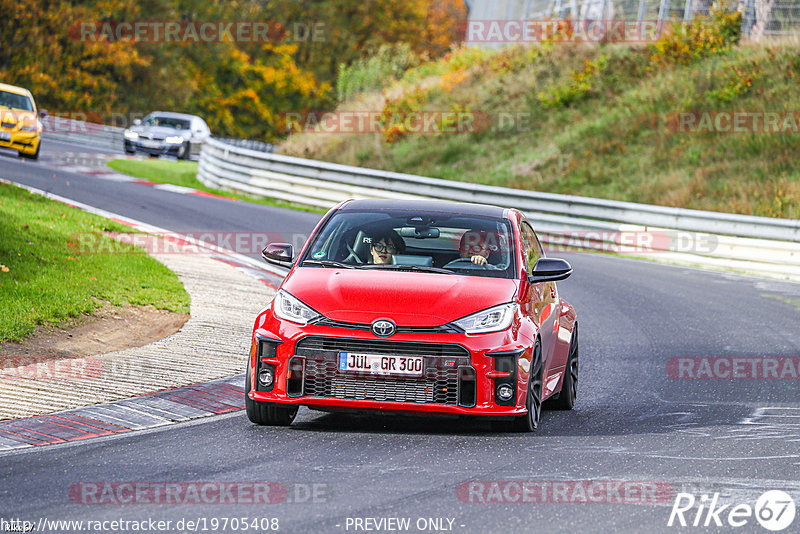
(7, 124)
(402, 348)
(444, 371)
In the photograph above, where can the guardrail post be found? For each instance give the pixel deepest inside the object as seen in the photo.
(748, 17)
(663, 12)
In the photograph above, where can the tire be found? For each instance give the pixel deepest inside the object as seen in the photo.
(129, 149)
(185, 151)
(569, 387)
(266, 413)
(533, 401)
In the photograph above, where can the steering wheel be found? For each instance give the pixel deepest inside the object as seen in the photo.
(460, 263)
(352, 255)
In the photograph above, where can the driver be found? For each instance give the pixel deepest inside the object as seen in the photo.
(477, 245)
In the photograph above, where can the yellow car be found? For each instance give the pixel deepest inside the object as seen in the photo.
(20, 127)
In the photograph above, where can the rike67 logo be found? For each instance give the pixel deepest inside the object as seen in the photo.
(774, 510)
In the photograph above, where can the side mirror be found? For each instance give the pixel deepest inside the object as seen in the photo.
(43, 113)
(137, 122)
(278, 253)
(550, 270)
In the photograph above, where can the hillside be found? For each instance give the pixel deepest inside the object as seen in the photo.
(598, 120)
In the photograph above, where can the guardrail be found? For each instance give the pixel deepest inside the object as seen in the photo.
(760, 245)
(90, 134)
(93, 135)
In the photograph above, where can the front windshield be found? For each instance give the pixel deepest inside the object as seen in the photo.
(15, 101)
(167, 122)
(415, 241)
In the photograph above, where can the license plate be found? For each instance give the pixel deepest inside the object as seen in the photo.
(5, 136)
(379, 364)
(151, 144)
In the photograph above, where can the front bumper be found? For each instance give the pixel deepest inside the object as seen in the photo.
(154, 150)
(461, 376)
(25, 142)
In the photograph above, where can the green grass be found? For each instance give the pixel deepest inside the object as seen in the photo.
(598, 125)
(47, 277)
(184, 173)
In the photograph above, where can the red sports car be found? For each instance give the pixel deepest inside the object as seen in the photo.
(425, 307)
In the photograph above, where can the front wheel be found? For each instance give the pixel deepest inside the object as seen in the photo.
(569, 387)
(266, 413)
(33, 156)
(533, 400)
(185, 151)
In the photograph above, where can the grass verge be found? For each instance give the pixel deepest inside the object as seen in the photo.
(46, 279)
(184, 173)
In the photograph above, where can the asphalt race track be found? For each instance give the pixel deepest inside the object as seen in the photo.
(635, 427)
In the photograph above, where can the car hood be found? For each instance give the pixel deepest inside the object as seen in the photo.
(407, 298)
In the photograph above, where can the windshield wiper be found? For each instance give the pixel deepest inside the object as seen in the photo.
(328, 263)
(421, 268)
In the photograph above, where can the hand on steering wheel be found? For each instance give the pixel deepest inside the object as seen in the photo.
(456, 262)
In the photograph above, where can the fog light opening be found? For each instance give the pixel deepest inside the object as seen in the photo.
(505, 392)
(265, 377)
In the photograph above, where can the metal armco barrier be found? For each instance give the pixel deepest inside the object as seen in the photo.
(84, 133)
(760, 245)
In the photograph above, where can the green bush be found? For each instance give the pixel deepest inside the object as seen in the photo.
(579, 86)
(702, 37)
(375, 72)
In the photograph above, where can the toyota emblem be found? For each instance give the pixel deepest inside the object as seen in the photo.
(383, 328)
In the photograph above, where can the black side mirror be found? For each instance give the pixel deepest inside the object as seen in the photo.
(278, 253)
(550, 270)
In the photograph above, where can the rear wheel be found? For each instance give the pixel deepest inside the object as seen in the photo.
(266, 413)
(569, 387)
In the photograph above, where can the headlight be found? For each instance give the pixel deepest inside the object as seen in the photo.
(174, 139)
(491, 320)
(27, 127)
(291, 309)
(131, 135)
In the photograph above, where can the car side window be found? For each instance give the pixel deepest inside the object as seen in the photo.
(532, 249)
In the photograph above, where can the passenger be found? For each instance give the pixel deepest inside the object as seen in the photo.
(384, 244)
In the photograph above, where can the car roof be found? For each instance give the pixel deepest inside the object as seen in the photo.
(173, 115)
(14, 89)
(443, 206)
